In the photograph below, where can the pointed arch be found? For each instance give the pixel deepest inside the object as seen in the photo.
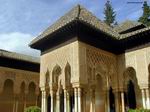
(32, 87)
(68, 74)
(130, 75)
(99, 94)
(55, 74)
(102, 69)
(22, 87)
(8, 86)
(31, 97)
(21, 97)
(47, 78)
(131, 87)
(7, 96)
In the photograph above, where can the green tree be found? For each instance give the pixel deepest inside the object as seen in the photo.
(145, 18)
(109, 14)
(33, 109)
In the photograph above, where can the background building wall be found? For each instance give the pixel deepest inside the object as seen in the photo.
(18, 89)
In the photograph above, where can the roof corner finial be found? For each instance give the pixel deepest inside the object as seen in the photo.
(78, 8)
(78, 5)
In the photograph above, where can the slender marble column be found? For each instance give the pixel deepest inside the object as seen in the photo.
(65, 100)
(52, 100)
(14, 104)
(68, 102)
(76, 99)
(92, 100)
(143, 98)
(79, 100)
(44, 102)
(58, 102)
(117, 99)
(147, 99)
(84, 101)
(25, 102)
(122, 102)
(107, 105)
(17, 104)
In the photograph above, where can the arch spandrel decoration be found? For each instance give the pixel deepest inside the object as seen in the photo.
(104, 64)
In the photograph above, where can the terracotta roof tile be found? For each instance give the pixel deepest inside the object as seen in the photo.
(81, 14)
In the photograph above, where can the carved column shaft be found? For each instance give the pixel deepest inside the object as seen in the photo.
(44, 101)
(65, 100)
(76, 99)
(117, 101)
(52, 100)
(107, 105)
(58, 101)
(143, 98)
(147, 99)
(92, 100)
(122, 102)
(68, 102)
(79, 100)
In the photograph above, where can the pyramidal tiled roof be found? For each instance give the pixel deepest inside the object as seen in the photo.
(126, 25)
(81, 14)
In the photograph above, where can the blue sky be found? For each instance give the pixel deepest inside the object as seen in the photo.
(23, 20)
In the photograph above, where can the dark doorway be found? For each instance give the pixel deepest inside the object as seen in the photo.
(111, 100)
(62, 102)
(72, 103)
(131, 96)
(49, 104)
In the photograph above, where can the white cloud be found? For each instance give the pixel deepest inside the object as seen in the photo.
(17, 42)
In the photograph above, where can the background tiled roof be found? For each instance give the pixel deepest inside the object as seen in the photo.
(17, 56)
(126, 25)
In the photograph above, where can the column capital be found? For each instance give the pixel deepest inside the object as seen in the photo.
(78, 85)
(116, 90)
(143, 86)
(43, 88)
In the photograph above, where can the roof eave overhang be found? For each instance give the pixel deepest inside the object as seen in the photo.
(76, 29)
(136, 40)
(67, 29)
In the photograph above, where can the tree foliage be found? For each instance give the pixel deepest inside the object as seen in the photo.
(109, 14)
(139, 110)
(33, 109)
(145, 18)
